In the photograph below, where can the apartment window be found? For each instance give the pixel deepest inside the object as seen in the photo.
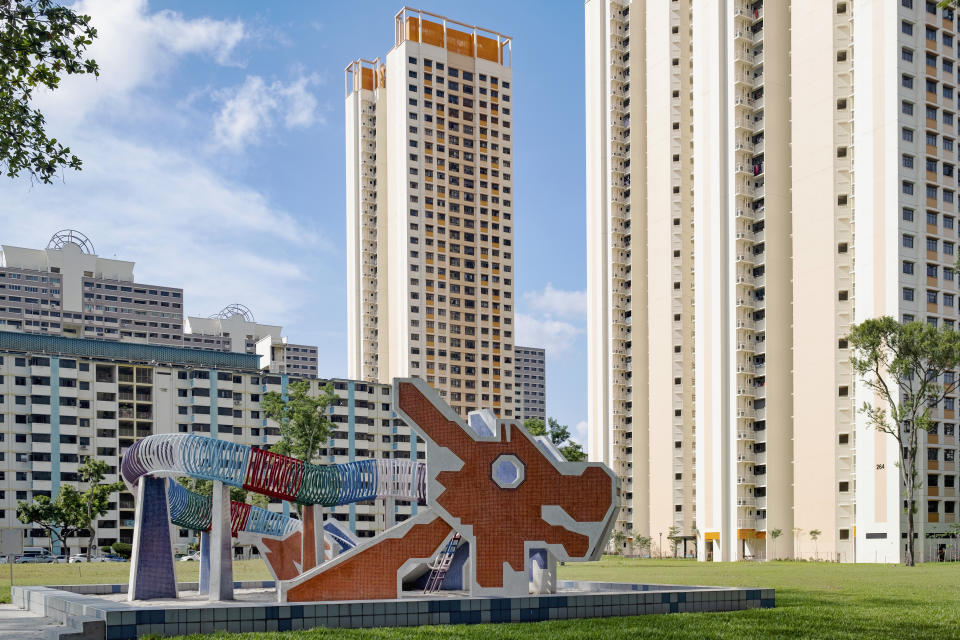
(908, 267)
(931, 191)
(907, 81)
(931, 244)
(932, 297)
(931, 271)
(844, 391)
(843, 438)
(908, 187)
(906, 54)
(844, 487)
(908, 294)
(906, 28)
(908, 214)
(906, 107)
(842, 296)
(907, 241)
(907, 161)
(907, 134)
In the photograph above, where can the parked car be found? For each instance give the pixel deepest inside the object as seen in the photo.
(36, 555)
(62, 559)
(112, 557)
(193, 557)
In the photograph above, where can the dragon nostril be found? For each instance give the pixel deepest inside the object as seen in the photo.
(508, 472)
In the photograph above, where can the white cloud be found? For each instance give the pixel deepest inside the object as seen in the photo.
(557, 302)
(134, 49)
(556, 336)
(579, 433)
(182, 223)
(249, 110)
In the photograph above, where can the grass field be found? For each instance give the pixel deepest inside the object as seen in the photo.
(814, 600)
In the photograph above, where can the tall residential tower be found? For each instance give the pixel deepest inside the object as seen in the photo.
(429, 156)
(726, 175)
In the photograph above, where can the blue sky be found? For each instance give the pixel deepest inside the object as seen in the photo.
(213, 146)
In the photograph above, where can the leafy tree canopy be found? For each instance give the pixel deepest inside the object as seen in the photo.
(559, 435)
(902, 365)
(40, 42)
(303, 419)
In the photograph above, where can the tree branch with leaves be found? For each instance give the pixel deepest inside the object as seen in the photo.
(303, 419)
(908, 368)
(40, 42)
(559, 435)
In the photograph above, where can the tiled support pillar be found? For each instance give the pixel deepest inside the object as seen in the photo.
(543, 571)
(389, 513)
(151, 567)
(221, 547)
(312, 552)
(204, 562)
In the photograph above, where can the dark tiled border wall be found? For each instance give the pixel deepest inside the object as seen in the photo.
(127, 622)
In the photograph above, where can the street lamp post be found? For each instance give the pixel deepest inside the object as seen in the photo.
(661, 545)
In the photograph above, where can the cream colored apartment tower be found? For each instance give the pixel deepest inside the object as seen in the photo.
(429, 157)
(779, 174)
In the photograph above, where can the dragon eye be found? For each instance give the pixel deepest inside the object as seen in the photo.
(508, 472)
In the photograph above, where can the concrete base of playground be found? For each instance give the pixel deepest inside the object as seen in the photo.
(96, 612)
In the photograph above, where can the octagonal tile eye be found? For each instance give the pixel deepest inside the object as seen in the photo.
(508, 472)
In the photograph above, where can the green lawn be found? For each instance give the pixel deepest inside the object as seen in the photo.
(814, 600)
(109, 573)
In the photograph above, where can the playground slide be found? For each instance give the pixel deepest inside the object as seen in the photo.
(267, 473)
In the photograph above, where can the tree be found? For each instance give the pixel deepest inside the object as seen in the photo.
(559, 435)
(40, 42)
(902, 366)
(619, 538)
(814, 534)
(97, 495)
(642, 542)
(796, 542)
(774, 534)
(673, 535)
(58, 517)
(304, 423)
(122, 549)
(72, 512)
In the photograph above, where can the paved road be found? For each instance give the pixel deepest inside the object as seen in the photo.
(17, 624)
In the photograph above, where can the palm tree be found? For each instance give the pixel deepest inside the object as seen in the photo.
(774, 534)
(814, 534)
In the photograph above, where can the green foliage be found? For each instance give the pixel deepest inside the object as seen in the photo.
(674, 536)
(40, 42)
(902, 365)
(96, 497)
(559, 435)
(205, 488)
(72, 512)
(122, 549)
(619, 539)
(774, 534)
(641, 542)
(304, 424)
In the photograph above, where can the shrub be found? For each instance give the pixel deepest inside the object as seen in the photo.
(122, 549)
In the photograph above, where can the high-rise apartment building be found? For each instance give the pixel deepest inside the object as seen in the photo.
(530, 383)
(64, 399)
(429, 157)
(66, 289)
(726, 176)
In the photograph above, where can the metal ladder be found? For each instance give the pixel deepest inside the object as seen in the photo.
(438, 571)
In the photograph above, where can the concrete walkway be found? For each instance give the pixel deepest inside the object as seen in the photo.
(18, 624)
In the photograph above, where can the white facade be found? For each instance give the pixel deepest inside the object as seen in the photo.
(784, 175)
